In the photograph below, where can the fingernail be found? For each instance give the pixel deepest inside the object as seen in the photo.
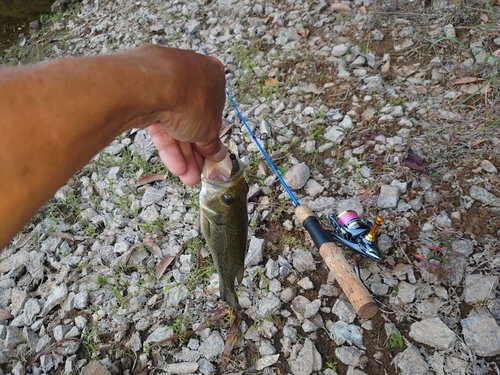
(219, 156)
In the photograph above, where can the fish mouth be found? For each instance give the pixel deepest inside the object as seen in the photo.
(222, 171)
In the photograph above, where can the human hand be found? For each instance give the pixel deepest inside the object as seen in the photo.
(186, 125)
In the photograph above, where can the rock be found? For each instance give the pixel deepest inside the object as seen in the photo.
(272, 269)
(335, 134)
(94, 368)
(266, 361)
(343, 332)
(152, 195)
(411, 362)
(350, 356)
(405, 293)
(255, 250)
(482, 334)
(303, 261)
(433, 332)
(488, 166)
(213, 346)
(181, 368)
(344, 311)
(59, 293)
(388, 197)
(307, 361)
(480, 288)
(305, 283)
(268, 305)
(159, 334)
(312, 309)
(313, 188)
(443, 220)
(297, 176)
(463, 247)
(481, 194)
(19, 259)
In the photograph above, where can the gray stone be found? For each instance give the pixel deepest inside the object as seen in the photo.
(340, 49)
(344, 311)
(463, 247)
(307, 361)
(346, 123)
(94, 368)
(159, 334)
(328, 290)
(313, 188)
(433, 332)
(255, 249)
(335, 134)
(379, 289)
(305, 283)
(287, 295)
(213, 346)
(480, 288)
(152, 195)
(267, 329)
(268, 305)
(482, 195)
(266, 361)
(432, 197)
(377, 35)
(488, 166)
(416, 204)
(181, 368)
(297, 176)
(312, 308)
(303, 261)
(411, 362)
(405, 294)
(149, 214)
(482, 334)
(350, 355)
(19, 259)
(389, 196)
(272, 269)
(56, 297)
(403, 186)
(343, 332)
(443, 220)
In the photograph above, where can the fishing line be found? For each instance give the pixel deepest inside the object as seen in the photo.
(262, 150)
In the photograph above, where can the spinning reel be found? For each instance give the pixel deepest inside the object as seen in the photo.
(358, 235)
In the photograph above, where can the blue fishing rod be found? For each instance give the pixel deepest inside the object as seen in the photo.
(359, 235)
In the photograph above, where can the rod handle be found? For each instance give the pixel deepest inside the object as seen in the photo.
(352, 286)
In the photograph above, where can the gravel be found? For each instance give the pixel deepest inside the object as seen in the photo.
(364, 116)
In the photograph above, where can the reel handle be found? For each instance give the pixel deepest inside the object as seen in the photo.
(355, 291)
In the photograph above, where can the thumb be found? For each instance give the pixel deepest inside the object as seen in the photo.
(212, 150)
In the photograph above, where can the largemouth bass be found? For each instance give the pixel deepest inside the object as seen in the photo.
(224, 221)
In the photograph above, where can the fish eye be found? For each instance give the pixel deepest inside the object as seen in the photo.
(228, 199)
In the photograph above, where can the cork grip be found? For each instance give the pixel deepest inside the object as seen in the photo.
(355, 291)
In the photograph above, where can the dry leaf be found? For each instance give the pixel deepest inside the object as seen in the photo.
(148, 179)
(421, 89)
(21, 241)
(226, 129)
(464, 80)
(163, 265)
(313, 88)
(65, 236)
(304, 33)
(474, 89)
(497, 52)
(270, 82)
(448, 115)
(231, 338)
(153, 247)
(484, 17)
(340, 7)
(362, 9)
(414, 161)
(480, 141)
(5, 315)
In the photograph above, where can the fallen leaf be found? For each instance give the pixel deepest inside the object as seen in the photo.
(362, 9)
(304, 33)
(480, 141)
(313, 88)
(415, 162)
(148, 179)
(226, 129)
(21, 241)
(464, 80)
(484, 17)
(163, 265)
(153, 247)
(475, 89)
(65, 236)
(270, 82)
(421, 89)
(5, 315)
(340, 7)
(497, 52)
(231, 338)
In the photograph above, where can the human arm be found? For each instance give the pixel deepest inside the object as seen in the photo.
(55, 116)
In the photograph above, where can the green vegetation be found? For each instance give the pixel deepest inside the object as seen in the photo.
(89, 340)
(395, 341)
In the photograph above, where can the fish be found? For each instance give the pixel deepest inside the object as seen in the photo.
(224, 221)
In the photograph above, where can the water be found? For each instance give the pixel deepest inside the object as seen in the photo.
(15, 15)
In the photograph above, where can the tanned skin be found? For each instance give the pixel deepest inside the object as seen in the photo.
(55, 116)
